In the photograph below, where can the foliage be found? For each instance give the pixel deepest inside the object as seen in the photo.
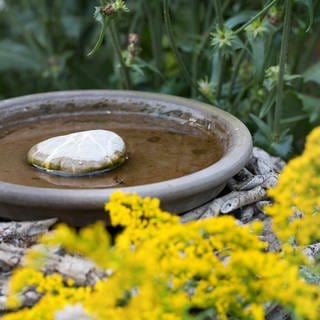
(161, 269)
(243, 56)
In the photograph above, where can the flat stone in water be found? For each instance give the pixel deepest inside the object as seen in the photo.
(79, 154)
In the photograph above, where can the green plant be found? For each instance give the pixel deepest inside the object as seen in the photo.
(243, 56)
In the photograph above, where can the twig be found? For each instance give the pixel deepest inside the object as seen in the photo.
(194, 214)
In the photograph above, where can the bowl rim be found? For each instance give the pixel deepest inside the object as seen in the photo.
(212, 176)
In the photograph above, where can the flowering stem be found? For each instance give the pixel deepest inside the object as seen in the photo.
(236, 70)
(282, 64)
(115, 42)
(258, 15)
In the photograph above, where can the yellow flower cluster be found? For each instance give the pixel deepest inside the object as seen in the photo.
(162, 269)
(134, 212)
(54, 291)
(298, 191)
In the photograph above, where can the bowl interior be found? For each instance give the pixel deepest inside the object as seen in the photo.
(178, 194)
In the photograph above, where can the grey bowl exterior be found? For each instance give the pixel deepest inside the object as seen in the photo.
(84, 206)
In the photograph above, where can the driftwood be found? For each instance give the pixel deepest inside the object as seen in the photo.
(27, 298)
(82, 271)
(242, 198)
(269, 237)
(312, 250)
(234, 200)
(72, 312)
(214, 209)
(247, 213)
(194, 214)
(10, 256)
(24, 233)
(247, 189)
(21, 234)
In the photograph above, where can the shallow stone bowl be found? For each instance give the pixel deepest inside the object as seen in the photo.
(83, 206)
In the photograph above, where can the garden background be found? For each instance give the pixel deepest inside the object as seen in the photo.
(226, 53)
(256, 59)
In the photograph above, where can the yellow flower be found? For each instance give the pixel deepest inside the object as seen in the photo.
(161, 269)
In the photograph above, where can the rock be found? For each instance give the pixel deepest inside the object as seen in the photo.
(79, 154)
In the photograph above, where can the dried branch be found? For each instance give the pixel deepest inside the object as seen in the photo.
(24, 233)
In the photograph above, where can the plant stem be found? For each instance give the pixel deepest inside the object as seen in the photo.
(258, 15)
(115, 42)
(220, 74)
(225, 5)
(196, 12)
(219, 18)
(282, 65)
(182, 66)
(155, 33)
(218, 10)
(204, 38)
(236, 70)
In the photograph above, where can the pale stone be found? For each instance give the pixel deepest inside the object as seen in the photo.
(79, 153)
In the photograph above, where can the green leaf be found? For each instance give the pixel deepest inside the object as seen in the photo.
(209, 313)
(263, 127)
(258, 54)
(137, 68)
(143, 64)
(268, 103)
(293, 119)
(240, 18)
(311, 105)
(261, 141)
(312, 74)
(16, 56)
(280, 147)
(283, 147)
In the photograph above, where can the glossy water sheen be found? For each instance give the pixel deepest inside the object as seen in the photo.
(158, 150)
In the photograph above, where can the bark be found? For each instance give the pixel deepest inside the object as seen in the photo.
(240, 199)
(247, 213)
(194, 214)
(10, 256)
(312, 250)
(23, 234)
